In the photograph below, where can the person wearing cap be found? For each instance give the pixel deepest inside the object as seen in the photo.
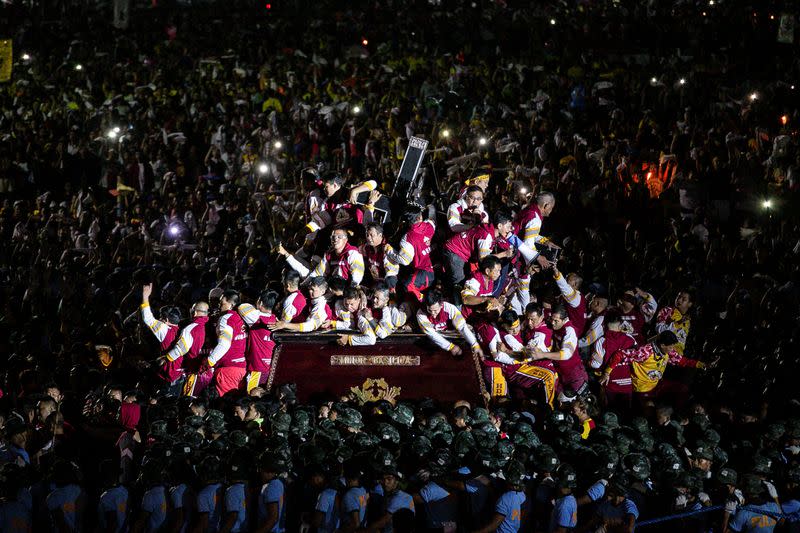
(210, 498)
(153, 509)
(567, 361)
(325, 518)
(528, 225)
(316, 312)
(726, 480)
(791, 499)
(354, 500)
(619, 389)
(394, 500)
(468, 211)
(509, 508)
(415, 251)
(648, 363)
(234, 517)
(165, 332)
(67, 501)
(618, 512)
(342, 260)
(271, 512)
(436, 316)
(676, 318)
(228, 356)
(260, 343)
(565, 510)
(112, 508)
(759, 515)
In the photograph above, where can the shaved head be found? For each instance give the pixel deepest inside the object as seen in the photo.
(200, 309)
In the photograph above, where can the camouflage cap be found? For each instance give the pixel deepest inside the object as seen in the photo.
(237, 439)
(281, 423)
(463, 443)
(727, 476)
(194, 422)
(504, 449)
(387, 432)
(690, 481)
(566, 477)
(703, 450)
(215, 425)
(403, 415)
(210, 469)
(382, 459)
(273, 462)
(752, 486)
(525, 436)
(214, 413)
(158, 429)
(343, 454)
(609, 419)
(637, 466)
(190, 436)
(301, 423)
(349, 417)
(546, 462)
(421, 446)
(640, 424)
(362, 441)
(711, 436)
(479, 416)
(775, 431)
(485, 435)
(514, 473)
(762, 465)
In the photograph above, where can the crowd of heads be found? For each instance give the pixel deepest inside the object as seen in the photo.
(605, 219)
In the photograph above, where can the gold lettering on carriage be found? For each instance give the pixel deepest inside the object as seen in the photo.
(374, 360)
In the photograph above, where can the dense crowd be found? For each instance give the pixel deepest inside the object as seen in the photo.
(606, 219)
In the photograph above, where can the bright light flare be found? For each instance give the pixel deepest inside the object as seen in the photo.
(753, 97)
(364, 42)
(766, 204)
(112, 134)
(784, 119)
(482, 141)
(278, 145)
(78, 67)
(26, 57)
(173, 230)
(552, 22)
(263, 168)
(682, 81)
(356, 110)
(445, 133)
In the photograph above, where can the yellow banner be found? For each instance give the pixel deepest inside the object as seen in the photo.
(6, 59)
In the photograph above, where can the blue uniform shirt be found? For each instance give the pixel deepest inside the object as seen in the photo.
(565, 513)
(510, 506)
(114, 500)
(395, 502)
(236, 502)
(65, 499)
(272, 492)
(154, 502)
(326, 504)
(749, 521)
(208, 502)
(15, 517)
(355, 499)
(439, 510)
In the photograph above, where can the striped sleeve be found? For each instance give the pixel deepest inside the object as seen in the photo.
(428, 329)
(531, 235)
(298, 266)
(572, 297)
(224, 338)
(471, 288)
(648, 306)
(594, 333)
(568, 345)
(404, 256)
(288, 311)
(392, 268)
(183, 345)
(485, 245)
(158, 328)
(460, 324)
(367, 336)
(356, 262)
(249, 314)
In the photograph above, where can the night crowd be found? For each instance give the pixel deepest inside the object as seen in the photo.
(606, 221)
